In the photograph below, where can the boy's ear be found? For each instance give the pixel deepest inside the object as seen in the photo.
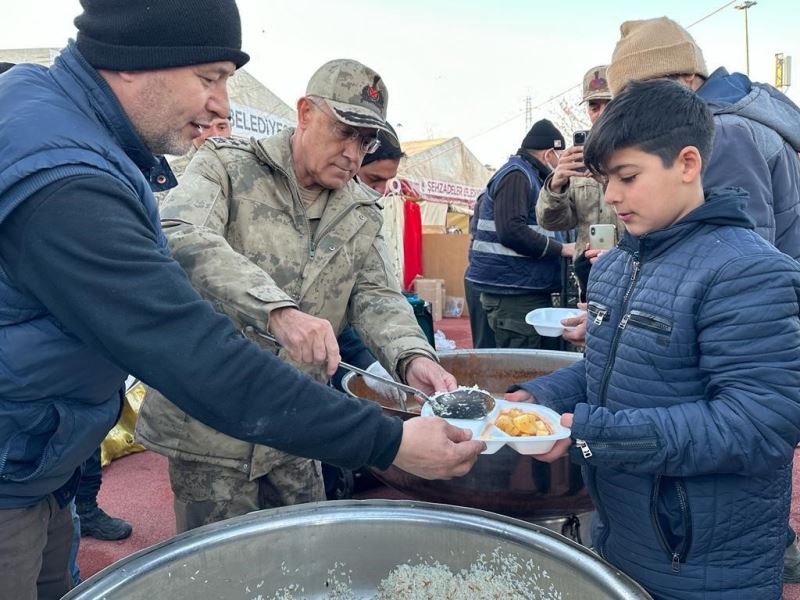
(691, 164)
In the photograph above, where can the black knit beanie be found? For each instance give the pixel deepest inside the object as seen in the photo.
(389, 148)
(543, 135)
(143, 35)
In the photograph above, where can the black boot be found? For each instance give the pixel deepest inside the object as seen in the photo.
(97, 524)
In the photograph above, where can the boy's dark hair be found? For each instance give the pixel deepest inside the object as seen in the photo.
(659, 117)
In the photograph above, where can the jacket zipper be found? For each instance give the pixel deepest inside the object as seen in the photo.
(598, 313)
(645, 443)
(650, 322)
(676, 555)
(592, 471)
(620, 328)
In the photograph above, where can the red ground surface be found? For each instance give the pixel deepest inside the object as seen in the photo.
(136, 488)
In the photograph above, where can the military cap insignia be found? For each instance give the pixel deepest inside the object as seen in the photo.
(598, 82)
(371, 93)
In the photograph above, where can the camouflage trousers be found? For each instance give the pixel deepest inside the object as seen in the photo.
(206, 493)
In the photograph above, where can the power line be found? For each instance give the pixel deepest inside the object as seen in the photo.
(529, 109)
(493, 127)
(711, 14)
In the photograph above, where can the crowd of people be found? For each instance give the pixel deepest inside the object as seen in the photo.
(264, 266)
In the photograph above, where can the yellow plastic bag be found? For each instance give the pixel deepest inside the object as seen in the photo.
(119, 441)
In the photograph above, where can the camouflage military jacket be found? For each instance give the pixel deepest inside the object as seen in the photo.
(580, 205)
(238, 227)
(178, 166)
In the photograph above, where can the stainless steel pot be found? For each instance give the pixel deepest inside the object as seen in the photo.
(310, 546)
(505, 482)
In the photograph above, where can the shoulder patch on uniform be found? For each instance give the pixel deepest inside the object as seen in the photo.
(228, 142)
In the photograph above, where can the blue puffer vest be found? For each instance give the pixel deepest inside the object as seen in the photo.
(687, 405)
(497, 269)
(58, 397)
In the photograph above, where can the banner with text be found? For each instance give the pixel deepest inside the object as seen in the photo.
(247, 122)
(446, 191)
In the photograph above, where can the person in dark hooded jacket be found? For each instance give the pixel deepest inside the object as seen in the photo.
(757, 128)
(686, 409)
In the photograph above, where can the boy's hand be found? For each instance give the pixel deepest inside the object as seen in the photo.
(594, 253)
(561, 446)
(519, 396)
(576, 336)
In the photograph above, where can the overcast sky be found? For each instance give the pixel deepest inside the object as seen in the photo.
(459, 68)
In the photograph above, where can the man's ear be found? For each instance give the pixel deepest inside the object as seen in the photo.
(304, 109)
(691, 164)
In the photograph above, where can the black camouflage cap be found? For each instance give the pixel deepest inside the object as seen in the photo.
(355, 93)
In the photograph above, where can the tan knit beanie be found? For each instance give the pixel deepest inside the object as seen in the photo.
(653, 48)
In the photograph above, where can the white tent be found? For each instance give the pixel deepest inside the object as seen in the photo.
(445, 174)
(255, 110)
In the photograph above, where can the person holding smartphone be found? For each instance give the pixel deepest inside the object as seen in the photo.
(571, 199)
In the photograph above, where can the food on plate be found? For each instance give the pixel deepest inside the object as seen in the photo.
(520, 423)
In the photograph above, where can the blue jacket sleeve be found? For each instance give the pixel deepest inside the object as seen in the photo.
(772, 181)
(84, 248)
(749, 421)
(560, 390)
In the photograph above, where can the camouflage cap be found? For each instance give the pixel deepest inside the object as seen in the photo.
(595, 84)
(355, 93)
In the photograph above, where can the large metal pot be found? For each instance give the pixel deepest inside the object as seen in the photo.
(505, 482)
(313, 546)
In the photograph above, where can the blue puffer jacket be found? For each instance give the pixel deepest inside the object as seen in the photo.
(687, 405)
(756, 141)
(58, 397)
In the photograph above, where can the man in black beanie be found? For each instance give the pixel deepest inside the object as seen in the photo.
(88, 292)
(514, 263)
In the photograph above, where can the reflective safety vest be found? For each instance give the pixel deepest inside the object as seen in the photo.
(495, 268)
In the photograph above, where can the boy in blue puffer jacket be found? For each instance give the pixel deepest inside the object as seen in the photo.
(686, 409)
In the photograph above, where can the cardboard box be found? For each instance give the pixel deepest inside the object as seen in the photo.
(433, 291)
(444, 256)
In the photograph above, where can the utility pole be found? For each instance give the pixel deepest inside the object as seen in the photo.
(528, 113)
(744, 6)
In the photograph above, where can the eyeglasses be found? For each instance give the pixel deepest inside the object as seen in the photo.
(367, 144)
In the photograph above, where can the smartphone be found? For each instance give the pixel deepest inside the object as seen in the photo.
(579, 137)
(603, 236)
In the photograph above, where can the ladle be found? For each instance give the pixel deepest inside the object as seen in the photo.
(461, 403)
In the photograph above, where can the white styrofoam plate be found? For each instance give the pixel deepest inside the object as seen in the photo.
(547, 321)
(484, 430)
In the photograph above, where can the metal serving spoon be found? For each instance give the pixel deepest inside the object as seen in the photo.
(461, 403)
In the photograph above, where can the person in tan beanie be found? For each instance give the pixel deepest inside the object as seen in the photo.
(653, 48)
(756, 140)
(757, 127)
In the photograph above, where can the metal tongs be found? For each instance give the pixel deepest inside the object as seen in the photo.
(462, 403)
